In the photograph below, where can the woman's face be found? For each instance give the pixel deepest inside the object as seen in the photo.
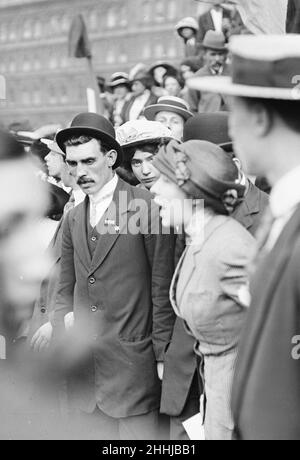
(172, 87)
(143, 168)
(175, 207)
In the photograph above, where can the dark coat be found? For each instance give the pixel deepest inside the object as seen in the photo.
(205, 102)
(249, 213)
(266, 396)
(121, 305)
(127, 106)
(180, 359)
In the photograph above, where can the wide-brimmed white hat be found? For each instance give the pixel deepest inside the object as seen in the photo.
(139, 132)
(266, 66)
(168, 104)
(52, 146)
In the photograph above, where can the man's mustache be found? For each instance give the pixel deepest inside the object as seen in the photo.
(83, 181)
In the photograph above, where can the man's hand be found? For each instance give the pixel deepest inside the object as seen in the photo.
(160, 370)
(42, 338)
(69, 321)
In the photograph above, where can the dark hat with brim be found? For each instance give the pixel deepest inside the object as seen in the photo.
(215, 41)
(210, 127)
(95, 126)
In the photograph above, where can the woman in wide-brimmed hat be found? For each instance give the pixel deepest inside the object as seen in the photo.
(198, 187)
(140, 141)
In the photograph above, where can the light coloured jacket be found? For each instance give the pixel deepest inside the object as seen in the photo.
(209, 282)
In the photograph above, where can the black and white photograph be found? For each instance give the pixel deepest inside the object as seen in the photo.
(149, 223)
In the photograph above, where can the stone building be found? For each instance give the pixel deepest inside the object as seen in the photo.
(44, 85)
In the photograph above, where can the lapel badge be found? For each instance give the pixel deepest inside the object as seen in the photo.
(112, 223)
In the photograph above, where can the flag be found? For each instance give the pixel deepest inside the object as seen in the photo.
(79, 45)
(260, 16)
(293, 17)
(264, 16)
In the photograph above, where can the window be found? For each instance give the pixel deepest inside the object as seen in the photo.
(172, 13)
(93, 20)
(110, 57)
(37, 30)
(27, 31)
(146, 11)
(25, 97)
(159, 51)
(111, 18)
(147, 51)
(160, 11)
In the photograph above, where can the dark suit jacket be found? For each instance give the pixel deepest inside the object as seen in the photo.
(251, 210)
(121, 305)
(202, 101)
(266, 396)
(293, 17)
(127, 106)
(180, 360)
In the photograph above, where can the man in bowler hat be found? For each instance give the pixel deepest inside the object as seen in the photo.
(115, 277)
(215, 56)
(265, 127)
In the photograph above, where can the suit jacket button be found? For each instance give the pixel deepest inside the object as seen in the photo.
(43, 310)
(94, 239)
(92, 280)
(94, 308)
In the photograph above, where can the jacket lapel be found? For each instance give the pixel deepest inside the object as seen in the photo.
(80, 233)
(265, 283)
(113, 223)
(250, 207)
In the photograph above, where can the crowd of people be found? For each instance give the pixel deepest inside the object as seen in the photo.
(162, 279)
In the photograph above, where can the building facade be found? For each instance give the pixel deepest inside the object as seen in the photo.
(44, 85)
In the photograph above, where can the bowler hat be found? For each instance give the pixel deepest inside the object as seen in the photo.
(93, 125)
(168, 104)
(215, 41)
(263, 66)
(210, 127)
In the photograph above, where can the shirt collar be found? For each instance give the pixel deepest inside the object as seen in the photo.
(285, 195)
(107, 190)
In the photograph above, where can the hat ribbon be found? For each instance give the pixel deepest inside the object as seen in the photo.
(281, 73)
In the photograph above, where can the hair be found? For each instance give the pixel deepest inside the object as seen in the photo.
(129, 152)
(288, 111)
(178, 78)
(194, 63)
(10, 147)
(81, 140)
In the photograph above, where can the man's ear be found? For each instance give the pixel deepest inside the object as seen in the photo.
(262, 119)
(111, 158)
